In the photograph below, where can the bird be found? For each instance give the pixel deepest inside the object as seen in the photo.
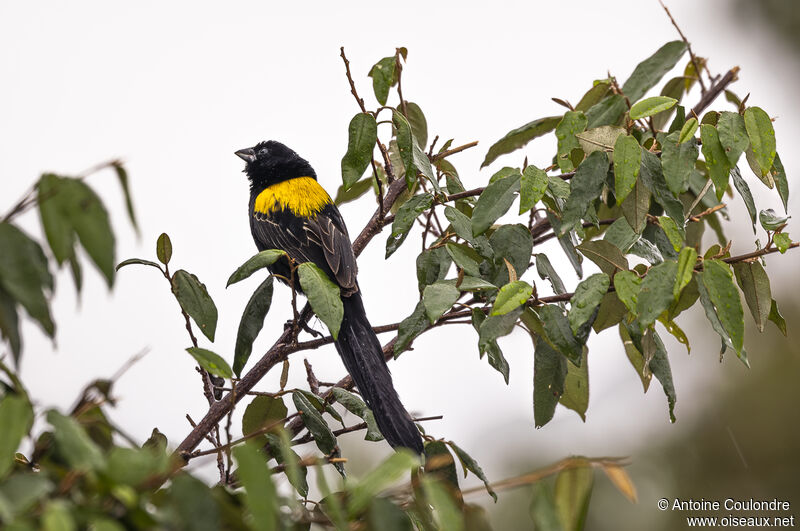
(290, 211)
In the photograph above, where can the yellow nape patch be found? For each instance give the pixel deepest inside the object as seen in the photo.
(303, 196)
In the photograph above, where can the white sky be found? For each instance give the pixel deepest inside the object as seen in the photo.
(174, 88)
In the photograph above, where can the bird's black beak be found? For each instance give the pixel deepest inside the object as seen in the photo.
(247, 155)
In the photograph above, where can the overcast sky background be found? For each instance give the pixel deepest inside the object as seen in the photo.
(174, 88)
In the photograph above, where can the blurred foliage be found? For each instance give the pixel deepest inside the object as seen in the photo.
(626, 189)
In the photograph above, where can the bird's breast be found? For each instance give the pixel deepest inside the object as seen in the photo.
(302, 196)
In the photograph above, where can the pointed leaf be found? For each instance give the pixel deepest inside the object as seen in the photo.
(362, 134)
(549, 372)
(583, 304)
(732, 135)
(771, 221)
(754, 283)
(650, 71)
(606, 255)
(260, 495)
(776, 317)
(656, 293)
(627, 160)
(511, 296)
(688, 130)
(678, 160)
(211, 362)
(384, 76)
(411, 327)
(251, 324)
(404, 220)
(650, 106)
(255, 263)
(652, 177)
(493, 202)
(747, 196)
(559, 332)
(312, 419)
(718, 281)
(576, 387)
(517, 138)
(532, 187)
(762, 137)
(586, 186)
(195, 301)
(323, 295)
(438, 298)
(572, 123)
(262, 412)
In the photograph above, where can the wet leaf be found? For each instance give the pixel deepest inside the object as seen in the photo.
(323, 296)
(194, 299)
(532, 187)
(732, 135)
(754, 283)
(762, 137)
(627, 160)
(255, 263)
(650, 106)
(251, 324)
(493, 202)
(211, 362)
(517, 138)
(588, 295)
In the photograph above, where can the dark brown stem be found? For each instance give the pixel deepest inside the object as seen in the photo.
(715, 90)
(445, 154)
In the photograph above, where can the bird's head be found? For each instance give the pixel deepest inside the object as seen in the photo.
(271, 162)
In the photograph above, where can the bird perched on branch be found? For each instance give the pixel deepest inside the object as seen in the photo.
(290, 211)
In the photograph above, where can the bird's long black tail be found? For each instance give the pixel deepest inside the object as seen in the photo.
(363, 357)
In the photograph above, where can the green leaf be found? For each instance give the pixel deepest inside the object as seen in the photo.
(385, 515)
(548, 272)
(423, 165)
(80, 209)
(255, 263)
(549, 372)
(438, 298)
(532, 187)
(754, 283)
(211, 362)
(781, 183)
(594, 95)
(656, 293)
(652, 177)
(586, 186)
(405, 147)
(260, 495)
(323, 295)
(636, 206)
(386, 474)
(362, 134)
(674, 233)
(194, 505)
(610, 312)
(559, 332)
(465, 258)
(543, 510)
(16, 417)
(164, 248)
(24, 274)
(296, 474)
(419, 125)
(678, 160)
(410, 328)
(747, 196)
(627, 159)
(635, 356)
(762, 137)
(323, 436)
(782, 241)
(9, 324)
(650, 106)
(472, 465)
(650, 71)
(432, 265)
(771, 221)
(572, 123)
(360, 188)
(517, 138)
(576, 387)
(659, 367)
(493, 202)
(573, 489)
(628, 286)
(686, 261)
(73, 443)
(776, 317)
(251, 324)
(718, 281)
(404, 220)
(621, 235)
(132, 466)
(122, 177)
(583, 304)
(139, 261)
(356, 406)
(601, 138)
(688, 130)
(384, 76)
(608, 111)
(195, 301)
(515, 244)
(511, 296)
(469, 283)
(716, 159)
(606, 255)
(567, 243)
(55, 217)
(20, 492)
(732, 135)
(57, 517)
(448, 515)
(264, 411)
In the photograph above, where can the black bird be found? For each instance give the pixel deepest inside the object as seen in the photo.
(289, 210)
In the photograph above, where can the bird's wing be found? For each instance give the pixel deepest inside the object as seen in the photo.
(328, 231)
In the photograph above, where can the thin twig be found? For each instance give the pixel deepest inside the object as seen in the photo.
(689, 47)
(459, 149)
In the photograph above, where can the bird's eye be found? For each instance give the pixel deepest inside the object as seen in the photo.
(263, 152)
